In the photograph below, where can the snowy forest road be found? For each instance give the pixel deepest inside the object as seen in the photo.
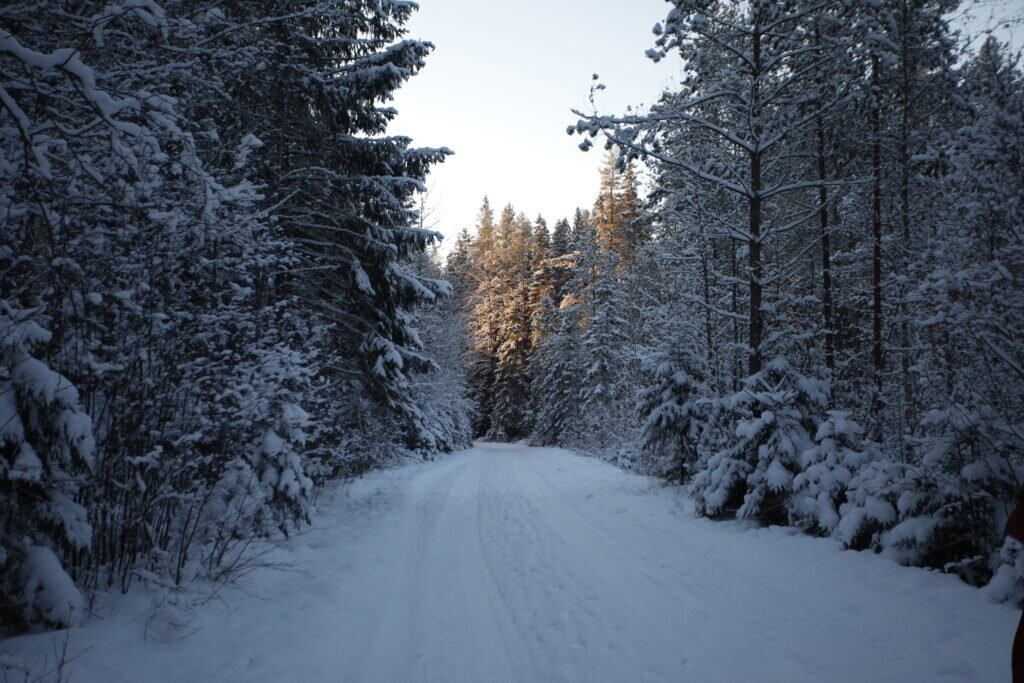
(509, 563)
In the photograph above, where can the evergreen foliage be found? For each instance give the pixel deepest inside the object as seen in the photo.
(830, 288)
(208, 302)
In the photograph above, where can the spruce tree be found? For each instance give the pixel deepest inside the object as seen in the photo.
(674, 408)
(46, 453)
(561, 240)
(604, 341)
(556, 369)
(510, 418)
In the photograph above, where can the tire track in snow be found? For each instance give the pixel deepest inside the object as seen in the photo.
(428, 493)
(536, 590)
(506, 563)
(684, 590)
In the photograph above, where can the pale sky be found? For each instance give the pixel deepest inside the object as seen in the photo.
(500, 84)
(498, 90)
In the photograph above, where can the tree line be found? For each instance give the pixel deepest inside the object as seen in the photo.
(813, 317)
(537, 303)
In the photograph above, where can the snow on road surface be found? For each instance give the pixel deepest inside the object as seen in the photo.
(509, 563)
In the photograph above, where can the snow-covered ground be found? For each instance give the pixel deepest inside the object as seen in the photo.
(508, 563)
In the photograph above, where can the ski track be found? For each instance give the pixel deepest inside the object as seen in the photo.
(509, 563)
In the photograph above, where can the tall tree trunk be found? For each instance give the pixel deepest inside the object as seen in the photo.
(708, 332)
(734, 360)
(756, 266)
(876, 227)
(826, 255)
(905, 96)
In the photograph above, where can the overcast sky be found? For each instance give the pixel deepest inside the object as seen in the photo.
(498, 90)
(500, 84)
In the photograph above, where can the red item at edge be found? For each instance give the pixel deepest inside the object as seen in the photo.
(1015, 530)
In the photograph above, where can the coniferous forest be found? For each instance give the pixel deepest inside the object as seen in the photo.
(215, 296)
(796, 298)
(813, 318)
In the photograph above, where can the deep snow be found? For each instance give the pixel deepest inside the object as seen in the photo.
(509, 563)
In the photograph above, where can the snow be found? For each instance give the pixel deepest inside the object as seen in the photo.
(68, 60)
(27, 465)
(777, 476)
(52, 591)
(41, 381)
(245, 147)
(839, 422)
(272, 443)
(509, 563)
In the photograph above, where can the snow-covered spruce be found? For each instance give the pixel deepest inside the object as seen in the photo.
(205, 211)
(46, 453)
(775, 416)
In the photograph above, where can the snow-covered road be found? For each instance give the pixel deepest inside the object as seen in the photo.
(508, 563)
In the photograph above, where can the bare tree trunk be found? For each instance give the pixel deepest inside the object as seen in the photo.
(708, 332)
(905, 95)
(736, 333)
(826, 255)
(756, 266)
(876, 227)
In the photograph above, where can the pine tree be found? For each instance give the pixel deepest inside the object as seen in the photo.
(442, 395)
(742, 63)
(616, 211)
(458, 267)
(541, 247)
(820, 490)
(484, 319)
(581, 225)
(965, 457)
